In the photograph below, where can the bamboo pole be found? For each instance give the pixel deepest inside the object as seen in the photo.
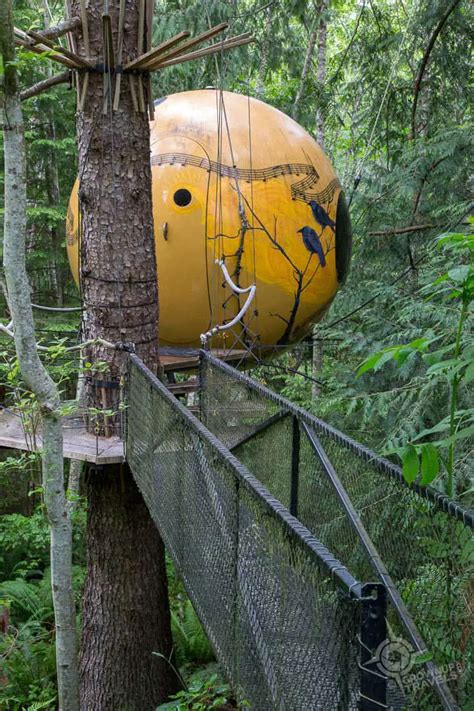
(213, 49)
(156, 51)
(109, 60)
(79, 61)
(22, 40)
(118, 76)
(141, 37)
(71, 42)
(149, 41)
(85, 36)
(191, 43)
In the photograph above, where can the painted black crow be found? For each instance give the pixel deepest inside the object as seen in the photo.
(321, 216)
(312, 243)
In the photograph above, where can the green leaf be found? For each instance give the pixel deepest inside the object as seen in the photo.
(459, 274)
(442, 426)
(429, 463)
(369, 363)
(469, 374)
(461, 434)
(410, 463)
(423, 657)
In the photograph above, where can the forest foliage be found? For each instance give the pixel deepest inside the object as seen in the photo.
(394, 108)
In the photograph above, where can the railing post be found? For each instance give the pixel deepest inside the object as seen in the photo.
(202, 387)
(295, 466)
(373, 631)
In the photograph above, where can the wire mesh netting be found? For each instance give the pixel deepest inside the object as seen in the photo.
(423, 540)
(283, 614)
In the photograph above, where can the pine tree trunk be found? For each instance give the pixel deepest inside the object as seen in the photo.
(126, 613)
(118, 270)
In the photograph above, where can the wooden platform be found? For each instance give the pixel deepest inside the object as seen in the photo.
(78, 444)
(173, 362)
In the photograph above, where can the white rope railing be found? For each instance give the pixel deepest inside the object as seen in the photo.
(250, 290)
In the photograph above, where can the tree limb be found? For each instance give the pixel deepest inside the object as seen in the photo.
(62, 28)
(45, 84)
(424, 62)
(401, 230)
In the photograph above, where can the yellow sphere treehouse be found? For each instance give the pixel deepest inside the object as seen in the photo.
(252, 232)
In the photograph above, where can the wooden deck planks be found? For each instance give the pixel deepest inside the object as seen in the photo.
(78, 444)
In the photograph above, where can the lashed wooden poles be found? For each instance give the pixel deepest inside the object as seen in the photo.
(85, 35)
(156, 51)
(118, 77)
(141, 30)
(213, 49)
(149, 40)
(169, 53)
(186, 45)
(22, 40)
(109, 60)
(78, 61)
(71, 43)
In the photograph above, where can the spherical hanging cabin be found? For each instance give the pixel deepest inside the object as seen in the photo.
(235, 179)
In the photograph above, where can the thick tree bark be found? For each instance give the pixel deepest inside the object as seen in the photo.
(126, 614)
(126, 609)
(34, 374)
(118, 270)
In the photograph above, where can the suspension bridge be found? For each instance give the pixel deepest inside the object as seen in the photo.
(322, 579)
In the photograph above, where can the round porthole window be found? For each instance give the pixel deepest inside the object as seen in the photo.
(182, 197)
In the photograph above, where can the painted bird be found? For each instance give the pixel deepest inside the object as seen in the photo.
(321, 216)
(312, 243)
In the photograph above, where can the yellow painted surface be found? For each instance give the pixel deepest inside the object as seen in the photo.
(248, 168)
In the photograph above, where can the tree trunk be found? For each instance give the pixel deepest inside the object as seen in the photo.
(126, 613)
(319, 133)
(118, 270)
(264, 55)
(321, 73)
(53, 192)
(34, 374)
(317, 366)
(305, 70)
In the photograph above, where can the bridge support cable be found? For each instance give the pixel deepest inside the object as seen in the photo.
(283, 614)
